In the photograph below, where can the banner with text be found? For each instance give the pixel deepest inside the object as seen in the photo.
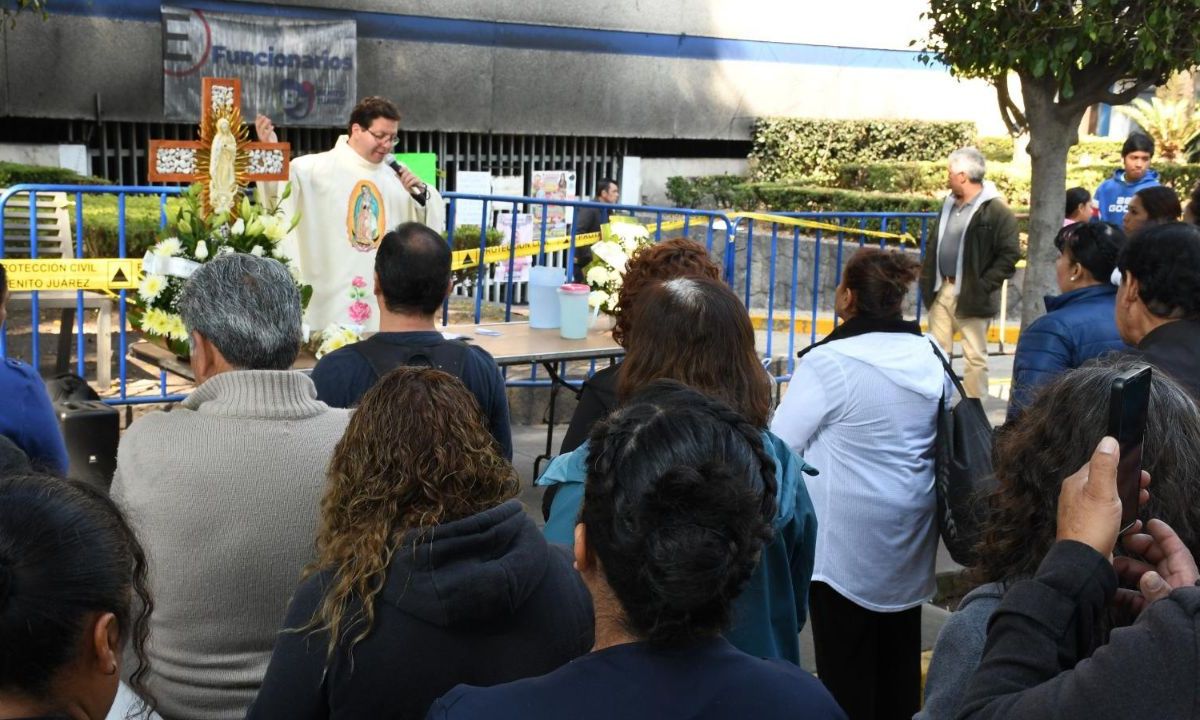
(297, 71)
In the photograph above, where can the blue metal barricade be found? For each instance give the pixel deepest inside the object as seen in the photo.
(78, 194)
(803, 274)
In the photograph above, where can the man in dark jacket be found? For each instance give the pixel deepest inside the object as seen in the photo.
(1044, 625)
(412, 280)
(971, 250)
(1158, 303)
(589, 220)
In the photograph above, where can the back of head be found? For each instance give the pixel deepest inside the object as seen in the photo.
(417, 453)
(1056, 435)
(1076, 196)
(248, 307)
(13, 460)
(650, 264)
(1160, 203)
(880, 280)
(1165, 260)
(1094, 245)
(1137, 142)
(696, 331)
(66, 553)
(677, 507)
(413, 265)
(971, 161)
(371, 107)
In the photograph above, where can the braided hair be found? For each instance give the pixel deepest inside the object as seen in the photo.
(678, 505)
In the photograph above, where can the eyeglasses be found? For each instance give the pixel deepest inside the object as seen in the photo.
(384, 137)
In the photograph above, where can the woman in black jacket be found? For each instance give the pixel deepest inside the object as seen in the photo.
(428, 572)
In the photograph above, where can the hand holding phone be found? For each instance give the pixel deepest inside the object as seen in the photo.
(1128, 407)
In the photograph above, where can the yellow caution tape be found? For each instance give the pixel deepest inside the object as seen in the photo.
(461, 259)
(72, 273)
(816, 225)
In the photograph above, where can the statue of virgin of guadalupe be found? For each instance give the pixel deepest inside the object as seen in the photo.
(222, 169)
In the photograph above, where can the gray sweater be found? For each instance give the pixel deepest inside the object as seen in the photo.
(957, 651)
(224, 492)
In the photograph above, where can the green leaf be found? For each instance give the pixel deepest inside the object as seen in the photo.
(287, 190)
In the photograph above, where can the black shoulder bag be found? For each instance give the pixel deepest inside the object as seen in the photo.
(963, 474)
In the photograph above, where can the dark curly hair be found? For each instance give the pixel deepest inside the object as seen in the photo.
(1165, 260)
(650, 264)
(1094, 245)
(678, 505)
(880, 280)
(1055, 436)
(66, 552)
(417, 453)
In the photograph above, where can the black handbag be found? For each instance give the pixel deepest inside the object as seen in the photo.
(963, 475)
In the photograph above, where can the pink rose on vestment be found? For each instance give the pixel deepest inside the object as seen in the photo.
(359, 312)
(358, 281)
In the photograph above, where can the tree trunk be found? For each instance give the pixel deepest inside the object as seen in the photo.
(1053, 129)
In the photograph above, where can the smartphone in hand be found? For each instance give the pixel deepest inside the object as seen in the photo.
(1129, 403)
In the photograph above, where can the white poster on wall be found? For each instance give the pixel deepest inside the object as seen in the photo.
(524, 234)
(509, 186)
(470, 212)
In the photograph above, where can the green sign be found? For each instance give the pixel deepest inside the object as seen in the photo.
(423, 165)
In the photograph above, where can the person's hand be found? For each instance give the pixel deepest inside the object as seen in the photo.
(1089, 509)
(265, 129)
(411, 182)
(1169, 565)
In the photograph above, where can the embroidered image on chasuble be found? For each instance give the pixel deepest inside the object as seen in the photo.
(366, 219)
(346, 205)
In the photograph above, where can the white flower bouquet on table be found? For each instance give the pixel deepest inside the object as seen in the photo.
(606, 272)
(192, 238)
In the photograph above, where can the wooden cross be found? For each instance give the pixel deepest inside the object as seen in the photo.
(182, 160)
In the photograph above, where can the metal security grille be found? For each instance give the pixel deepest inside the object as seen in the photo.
(118, 149)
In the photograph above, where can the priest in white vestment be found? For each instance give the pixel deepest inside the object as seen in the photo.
(348, 198)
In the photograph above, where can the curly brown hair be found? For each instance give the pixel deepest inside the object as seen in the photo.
(650, 264)
(417, 453)
(1055, 436)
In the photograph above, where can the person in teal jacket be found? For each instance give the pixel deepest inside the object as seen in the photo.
(696, 331)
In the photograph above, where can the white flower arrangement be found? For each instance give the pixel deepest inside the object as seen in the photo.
(606, 272)
(336, 336)
(194, 238)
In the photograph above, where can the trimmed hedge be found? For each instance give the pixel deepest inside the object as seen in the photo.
(17, 174)
(713, 192)
(786, 197)
(794, 148)
(100, 227)
(1095, 151)
(996, 148)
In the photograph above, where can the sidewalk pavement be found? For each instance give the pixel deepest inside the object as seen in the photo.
(530, 440)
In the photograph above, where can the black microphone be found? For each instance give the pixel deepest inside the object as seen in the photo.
(420, 192)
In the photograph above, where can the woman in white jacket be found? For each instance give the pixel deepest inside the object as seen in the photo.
(861, 406)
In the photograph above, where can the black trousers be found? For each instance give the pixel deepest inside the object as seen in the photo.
(870, 661)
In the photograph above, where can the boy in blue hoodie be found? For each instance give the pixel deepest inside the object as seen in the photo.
(1114, 194)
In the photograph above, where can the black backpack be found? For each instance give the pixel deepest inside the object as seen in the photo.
(449, 356)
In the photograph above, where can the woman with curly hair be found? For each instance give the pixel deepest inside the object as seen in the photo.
(696, 331)
(679, 504)
(428, 572)
(1053, 438)
(72, 598)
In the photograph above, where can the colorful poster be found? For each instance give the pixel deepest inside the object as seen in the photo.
(520, 266)
(553, 185)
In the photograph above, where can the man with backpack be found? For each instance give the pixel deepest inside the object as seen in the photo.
(412, 280)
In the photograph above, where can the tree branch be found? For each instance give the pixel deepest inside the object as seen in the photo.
(1010, 112)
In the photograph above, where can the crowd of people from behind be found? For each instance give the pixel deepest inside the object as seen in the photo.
(350, 544)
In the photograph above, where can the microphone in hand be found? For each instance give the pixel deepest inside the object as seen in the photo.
(419, 191)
